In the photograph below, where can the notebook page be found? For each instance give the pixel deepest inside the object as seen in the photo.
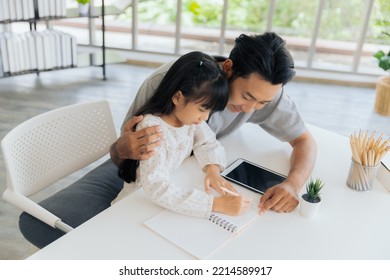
(198, 236)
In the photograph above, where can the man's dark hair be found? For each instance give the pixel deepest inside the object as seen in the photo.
(265, 55)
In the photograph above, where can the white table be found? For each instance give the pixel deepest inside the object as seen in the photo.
(349, 225)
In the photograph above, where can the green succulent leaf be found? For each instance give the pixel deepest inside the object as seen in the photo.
(313, 188)
(83, 2)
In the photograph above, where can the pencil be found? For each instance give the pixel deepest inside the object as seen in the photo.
(229, 191)
(367, 151)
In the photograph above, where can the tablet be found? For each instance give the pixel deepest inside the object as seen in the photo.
(252, 176)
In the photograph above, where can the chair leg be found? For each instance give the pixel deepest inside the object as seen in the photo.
(62, 226)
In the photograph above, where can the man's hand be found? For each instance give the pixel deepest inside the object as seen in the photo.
(280, 198)
(284, 197)
(133, 144)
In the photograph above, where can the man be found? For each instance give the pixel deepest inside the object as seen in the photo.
(257, 69)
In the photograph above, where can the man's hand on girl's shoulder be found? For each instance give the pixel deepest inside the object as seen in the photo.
(139, 145)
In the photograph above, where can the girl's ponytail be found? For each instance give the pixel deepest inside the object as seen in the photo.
(127, 170)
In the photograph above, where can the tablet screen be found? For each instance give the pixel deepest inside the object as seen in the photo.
(254, 177)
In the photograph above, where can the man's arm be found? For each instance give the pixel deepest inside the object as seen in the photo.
(284, 197)
(133, 144)
(139, 144)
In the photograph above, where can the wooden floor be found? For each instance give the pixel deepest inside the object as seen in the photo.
(341, 109)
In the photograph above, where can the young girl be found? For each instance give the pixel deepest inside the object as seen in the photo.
(192, 88)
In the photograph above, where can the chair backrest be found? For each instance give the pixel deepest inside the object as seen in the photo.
(50, 146)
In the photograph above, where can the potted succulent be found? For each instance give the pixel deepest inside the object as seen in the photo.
(311, 200)
(83, 7)
(382, 99)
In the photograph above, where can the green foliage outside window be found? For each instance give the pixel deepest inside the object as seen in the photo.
(341, 20)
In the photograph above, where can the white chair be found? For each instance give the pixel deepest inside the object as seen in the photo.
(50, 146)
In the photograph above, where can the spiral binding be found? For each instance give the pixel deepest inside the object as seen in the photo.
(222, 223)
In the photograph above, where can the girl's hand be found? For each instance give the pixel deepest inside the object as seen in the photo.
(231, 205)
(213, 179)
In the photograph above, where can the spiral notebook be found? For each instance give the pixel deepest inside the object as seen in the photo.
(198, 236)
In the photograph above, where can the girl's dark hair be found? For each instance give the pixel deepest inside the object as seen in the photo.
(265, 55)
(200, 79)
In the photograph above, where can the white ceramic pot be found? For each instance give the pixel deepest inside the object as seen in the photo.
(308, 209)
(83, 9)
